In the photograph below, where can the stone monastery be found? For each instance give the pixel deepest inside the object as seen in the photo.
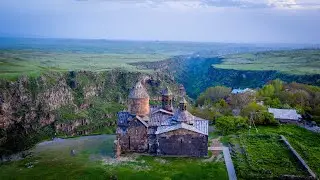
(163, 130)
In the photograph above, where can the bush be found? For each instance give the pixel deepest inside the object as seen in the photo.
(252, 107)
(230, 124)
(265, 118)
(260, 114)
(213, 95)
(205, 113)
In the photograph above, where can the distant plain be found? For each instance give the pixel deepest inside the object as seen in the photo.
(291, 62)
(32, 56)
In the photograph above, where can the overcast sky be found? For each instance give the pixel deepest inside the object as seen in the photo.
(253, 21)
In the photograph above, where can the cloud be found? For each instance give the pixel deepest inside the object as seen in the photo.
(242, 4)
(234, 3)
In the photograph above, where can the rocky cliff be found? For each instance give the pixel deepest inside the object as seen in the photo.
(66, 104)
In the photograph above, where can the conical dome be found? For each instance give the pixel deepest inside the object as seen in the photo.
(138, 92)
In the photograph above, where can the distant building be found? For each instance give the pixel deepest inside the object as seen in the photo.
(160, 131)
(285, 115)
(240, 91)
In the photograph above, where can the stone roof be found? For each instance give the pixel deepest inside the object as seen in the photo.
(289, 114)
(166, 92)
(163, 111)
(160, 118)
(164, 129)
(138, 91)
(202, 125)
(142, 120)
(123, 117)
(183, 116)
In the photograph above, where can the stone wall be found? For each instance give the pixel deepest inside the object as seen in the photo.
(182, 143)
(135, 138)
(296, 154)
(152, 140)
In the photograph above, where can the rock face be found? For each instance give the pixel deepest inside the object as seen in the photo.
(34, 108)
(22, 103)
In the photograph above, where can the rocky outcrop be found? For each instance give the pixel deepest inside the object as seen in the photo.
(70, 128)
(70, 103)
(29, 101)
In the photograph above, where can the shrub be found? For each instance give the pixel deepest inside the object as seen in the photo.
(230, 124)
(265, 118)
(252, 107)
(267, 91)
(213, 94)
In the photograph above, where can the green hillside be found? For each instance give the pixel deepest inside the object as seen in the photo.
(16, 62)
(299, 62)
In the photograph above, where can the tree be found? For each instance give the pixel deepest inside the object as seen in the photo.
(265, 118)
(267, 91)
(213, 94)
(274, 103)
(221, 107)
(278, 86)
(252, 108)
(204, 113)
(230, 124)
(242, 99)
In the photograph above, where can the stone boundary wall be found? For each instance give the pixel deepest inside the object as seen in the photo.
(296, 154)
(229, 164)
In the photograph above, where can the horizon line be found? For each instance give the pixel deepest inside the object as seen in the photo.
(173, 41)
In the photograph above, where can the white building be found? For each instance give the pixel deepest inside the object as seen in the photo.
(285, 115)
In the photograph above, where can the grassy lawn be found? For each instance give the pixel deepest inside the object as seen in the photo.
(263, 155)
(54, 161)
(63, 166)
(291, 62)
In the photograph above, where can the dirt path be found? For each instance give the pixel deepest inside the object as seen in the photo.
(216, 148)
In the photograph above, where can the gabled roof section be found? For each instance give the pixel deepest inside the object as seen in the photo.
(123, 117)
(290, 114)
(164, 129)
(183, 116)
(141, 120)
(202, 125)
(138, 91)
(162, 111)
(160, 119)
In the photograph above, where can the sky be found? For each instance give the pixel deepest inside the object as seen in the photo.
(238, 21)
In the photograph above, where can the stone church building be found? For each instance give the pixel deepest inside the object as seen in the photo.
(160, 131)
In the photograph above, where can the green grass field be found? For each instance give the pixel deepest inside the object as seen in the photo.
(263, 155)
(55, 162)
(291, 62)
(31, 62)
(145, 167)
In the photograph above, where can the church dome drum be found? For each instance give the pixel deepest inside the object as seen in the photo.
(139, 100)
